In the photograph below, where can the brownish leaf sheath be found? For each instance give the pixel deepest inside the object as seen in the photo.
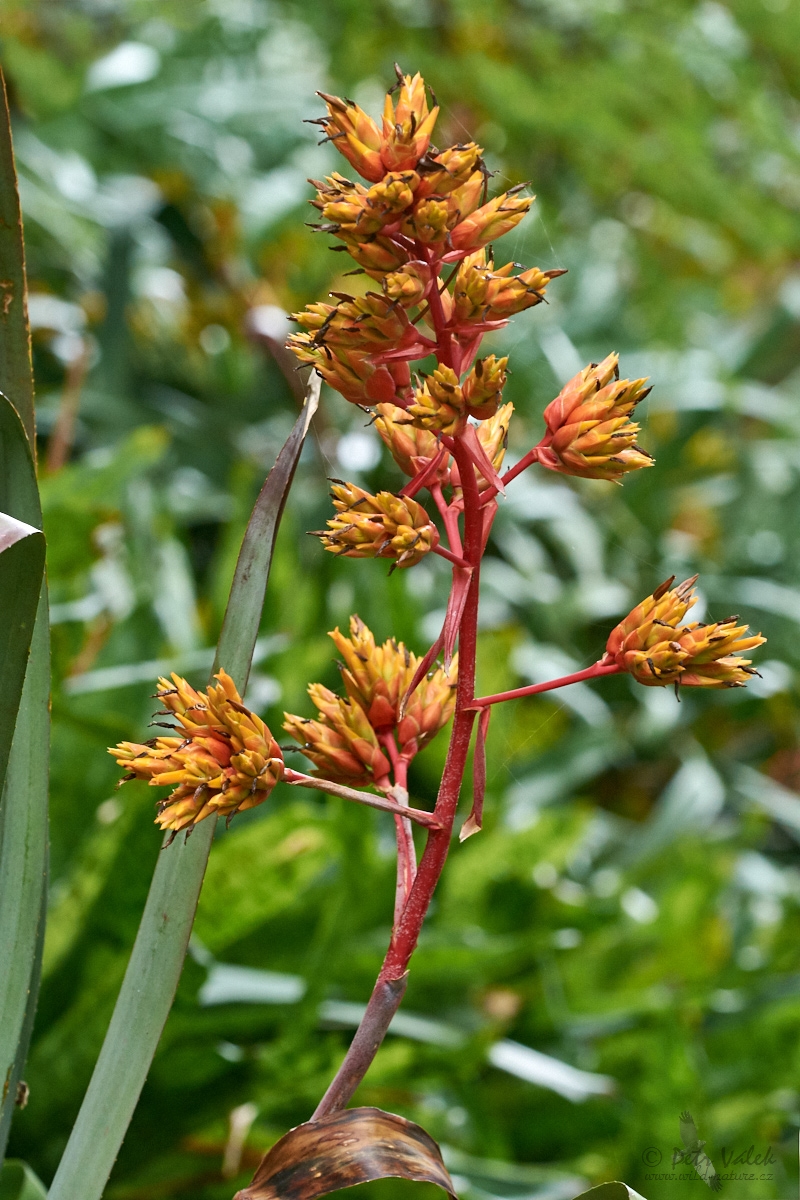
(350, 1147)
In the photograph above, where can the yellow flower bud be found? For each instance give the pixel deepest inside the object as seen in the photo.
(381, 526)
(439, 405)
(483, 387)
(490, 221)
(407, 125)
(410, 447)
(449, 170)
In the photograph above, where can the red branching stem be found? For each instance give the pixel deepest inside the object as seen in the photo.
(456, 559)
(593, 672)
(444, 339)
(384, 803)
(390, 985)
(449, 517)
(526, 461)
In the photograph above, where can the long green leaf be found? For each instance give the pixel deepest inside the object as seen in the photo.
(16, 377)
(157, 958)
(23, 803)
(23, 1045)
(21, 574)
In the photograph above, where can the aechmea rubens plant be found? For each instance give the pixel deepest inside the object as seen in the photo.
(421, 228)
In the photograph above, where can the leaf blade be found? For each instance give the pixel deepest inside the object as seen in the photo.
(16, 376)
(356, 1145)
(156, 961)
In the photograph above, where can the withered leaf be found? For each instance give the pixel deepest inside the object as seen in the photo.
(350, 1147)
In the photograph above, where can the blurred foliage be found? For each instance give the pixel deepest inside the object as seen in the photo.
(631, 906)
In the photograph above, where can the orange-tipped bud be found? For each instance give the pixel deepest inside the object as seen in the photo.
(652, 645)
(411, 447)
(355, 135)
(225, 761)
(408, 286)
(429, 707)
(490, 221)
(342, 744)
(483, 387)
(439, 405)
(449, 170)
(347, 371)
(377, 256)
(407, 125)
(591, 433)
(369, 323)
(484, 294)
(345, 742)
(430, 221)
(382, 526)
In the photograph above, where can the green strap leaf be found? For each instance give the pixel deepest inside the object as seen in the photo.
(18, 1182)
(16, 376)
(23, 803)
(21, 574)
(156, 961)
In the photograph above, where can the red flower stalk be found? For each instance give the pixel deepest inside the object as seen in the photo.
(418, 209)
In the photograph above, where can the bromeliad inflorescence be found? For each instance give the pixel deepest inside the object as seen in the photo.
(420, 228)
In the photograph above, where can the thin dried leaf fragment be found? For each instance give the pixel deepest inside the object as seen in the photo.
(351, 1147)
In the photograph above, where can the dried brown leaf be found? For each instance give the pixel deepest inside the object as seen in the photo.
(349, 1147)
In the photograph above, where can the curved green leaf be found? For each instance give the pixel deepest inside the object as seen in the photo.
(156, 961)
(18, 1182)
(21, 573)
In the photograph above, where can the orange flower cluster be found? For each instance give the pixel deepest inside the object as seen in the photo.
(589, 426)
(224, 761)
(656, 649)
(347, 743)
(418, 209)
(382, 526)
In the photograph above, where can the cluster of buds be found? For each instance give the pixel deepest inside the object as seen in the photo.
(653, 646)
(589, 428)
(382, 526)
(348, 742)
(442, 404)
(224, 761)
(483, 295)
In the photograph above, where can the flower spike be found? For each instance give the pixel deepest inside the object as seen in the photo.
(225, 761)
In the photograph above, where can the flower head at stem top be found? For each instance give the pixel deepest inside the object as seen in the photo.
(224, 761)
(654, 647)
(347, 742)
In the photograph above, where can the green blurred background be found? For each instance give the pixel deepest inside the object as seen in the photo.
(630, 910)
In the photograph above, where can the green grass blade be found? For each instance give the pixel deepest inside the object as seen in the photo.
(16, 376)
(23, 1045)
(23, 803)
(157, 958)
(23, 850)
